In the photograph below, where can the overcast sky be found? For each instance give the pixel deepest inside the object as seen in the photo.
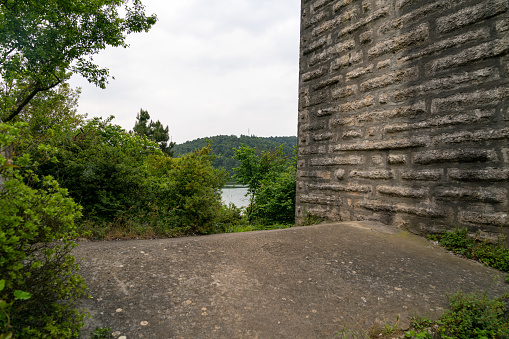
(207, 67)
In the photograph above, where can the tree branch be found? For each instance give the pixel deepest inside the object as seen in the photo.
(29, 97)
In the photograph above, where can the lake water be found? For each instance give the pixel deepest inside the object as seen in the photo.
(235, 195)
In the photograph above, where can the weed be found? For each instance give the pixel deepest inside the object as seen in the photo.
(493, 255)
(471, 315)
(346, 333)
(101, 333)
(311, 219)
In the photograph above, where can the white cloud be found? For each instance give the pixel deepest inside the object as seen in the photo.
(206, 68)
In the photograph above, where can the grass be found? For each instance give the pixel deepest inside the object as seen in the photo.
(154, 224)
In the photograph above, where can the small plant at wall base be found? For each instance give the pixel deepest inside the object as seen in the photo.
(459, 242)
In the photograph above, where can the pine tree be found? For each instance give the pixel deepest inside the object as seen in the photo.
(154, 131)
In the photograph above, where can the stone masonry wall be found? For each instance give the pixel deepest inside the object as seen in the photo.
(404, 113)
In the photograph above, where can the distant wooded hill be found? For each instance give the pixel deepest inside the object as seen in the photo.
(223, 145)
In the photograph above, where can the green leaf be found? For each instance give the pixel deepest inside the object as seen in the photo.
(2, 284)
(20, 295)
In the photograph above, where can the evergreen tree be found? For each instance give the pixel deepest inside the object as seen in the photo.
(154, 131)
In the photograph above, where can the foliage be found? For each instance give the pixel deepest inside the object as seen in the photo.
(189, 187)
(36, 236)
(474, 315)
(153, 131)
(223, 145)
(5, 310)
(469, 316)
(493, 255)
(100, 164)
(274, 201)
(271, 181)
(42, 43)
(101, 333)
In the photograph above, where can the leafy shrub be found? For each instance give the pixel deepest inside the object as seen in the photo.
(471, 315)
(36, 236)
(230, 219)
(101, 165)
(271, 181)
(188, 188)
(474, 316)
(274, 201)
(493, 255)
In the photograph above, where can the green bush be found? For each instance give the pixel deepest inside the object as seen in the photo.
(271, 181)
(474, 316)
(188, 188)
(36, 236)
(100, 164)
(470, 315)
(493, 255)
(274, 201)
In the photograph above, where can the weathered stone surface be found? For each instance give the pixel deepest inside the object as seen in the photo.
(317, 199)
(486, 174)
(422, 175)
(490, 195)
(372, 174)
(329, 53)
(338, 160)
(454, 155)
(347, 60)
(399, 43)
(364, 21)
(389, 79)
(419, 90)
(356, 188)
(397, 159)
(403, 191)
(454, 81)
(469, 55)
(314, 174)
(455, 41)
(476, 136)
(471, 15)
(497, 219)
(344, 91)
(422, 210)
(412, 17)
(327, 82)
(369, 145)
(440, 121)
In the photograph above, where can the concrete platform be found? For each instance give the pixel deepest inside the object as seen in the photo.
(305, 282)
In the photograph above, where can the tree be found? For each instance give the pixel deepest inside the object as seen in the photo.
(271, 181)
(153, 131)
(42, 43)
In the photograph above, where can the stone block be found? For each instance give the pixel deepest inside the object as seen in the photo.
(422, 175)
(403, 191)
(470, 15)
(390, 79)
(454, 155)
(338, 160)
(485, 174)
(372, 174)
(399, 43)
(482, 194)
(497, 219)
